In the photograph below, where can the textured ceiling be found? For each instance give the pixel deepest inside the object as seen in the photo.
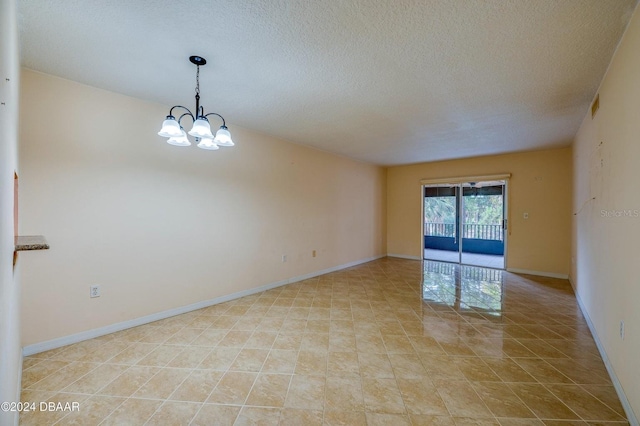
(387, 82)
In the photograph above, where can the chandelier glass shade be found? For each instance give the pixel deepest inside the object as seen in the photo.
(201, 129)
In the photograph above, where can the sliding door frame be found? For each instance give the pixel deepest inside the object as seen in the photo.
(458, 181)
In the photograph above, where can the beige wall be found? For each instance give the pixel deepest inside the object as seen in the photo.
(606, 229)
(10, 349)
(160, 227)
(540, 185)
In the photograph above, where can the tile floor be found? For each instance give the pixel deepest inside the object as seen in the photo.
(392, 341)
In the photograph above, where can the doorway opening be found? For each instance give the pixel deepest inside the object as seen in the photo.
(465, 223)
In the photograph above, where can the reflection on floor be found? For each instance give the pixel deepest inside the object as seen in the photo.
(485, 260)
(392, 341)
(464, 288)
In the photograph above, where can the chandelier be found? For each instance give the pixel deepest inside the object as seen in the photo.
(201, 130)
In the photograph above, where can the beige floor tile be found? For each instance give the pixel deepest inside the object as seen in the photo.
(344, 418)
(132, 411)
(583, 403)
(105, 352)
(212, 414)
(297, 417)
(261, 339)
(233, 388)
(407, 365)
(306, 392)
(269, 390)
(318, 326)
(315, 342)
(197, 386)
(342, 341)
(225, 322)
(343, 394)
(219, 359)
(280, 361)
(541, 370)
(190, 357)
(508, 370)
(398, 344)
(370, 343)
(542, 402)
(461, 399)
(474, 421)
(133, 353)
(93, 410)
(455, 347)
(130, 381)
(258, 416)
(32, 375)
(235, 339)
(541, 348)
(173, 413)
(382, 396)
(426, 345)
(375, 365)
(520, 422)
(209, 337)
(501, 401)
(382, 419)
(421, 397)
(607, 395)
(96, 379)
(428, 420)
(440, 367)
(311, 363)
(288, 340)
(162, 384)
(160, 356)
(475, 369)
(64, 376)
(582, 373)
(184, 336)
(343, 364)
(250, 360)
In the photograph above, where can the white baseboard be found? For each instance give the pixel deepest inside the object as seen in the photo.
(404, 256)
(112, 328)
(631, 417)
(538, 273)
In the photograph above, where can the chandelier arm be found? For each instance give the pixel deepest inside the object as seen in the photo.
(221, 117)
(186, 113)
(180, 106)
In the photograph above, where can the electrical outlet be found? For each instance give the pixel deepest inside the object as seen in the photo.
(94, 291)
(313, 253)
(622, 330)
(284, 258)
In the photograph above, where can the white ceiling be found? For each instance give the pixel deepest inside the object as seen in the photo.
(387, 82)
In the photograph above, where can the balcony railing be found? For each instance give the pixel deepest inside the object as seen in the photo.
(480, 232)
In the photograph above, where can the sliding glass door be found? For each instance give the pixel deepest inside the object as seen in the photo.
(464, 223)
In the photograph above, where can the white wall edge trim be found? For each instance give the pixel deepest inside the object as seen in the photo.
(404, 256)
(538, 273)
(633, 421)
(97, 332)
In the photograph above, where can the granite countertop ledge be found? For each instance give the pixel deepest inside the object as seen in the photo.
(31, 242)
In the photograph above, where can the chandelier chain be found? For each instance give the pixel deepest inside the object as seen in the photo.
(198, 80)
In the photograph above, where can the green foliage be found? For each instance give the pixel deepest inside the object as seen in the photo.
(478, 210)
(483, 209)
